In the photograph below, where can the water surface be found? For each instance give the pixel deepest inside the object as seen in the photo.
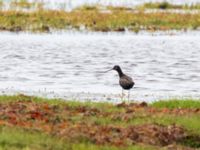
(72, 65)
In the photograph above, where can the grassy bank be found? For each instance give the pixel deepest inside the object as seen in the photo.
(93, 20)
(37, 123)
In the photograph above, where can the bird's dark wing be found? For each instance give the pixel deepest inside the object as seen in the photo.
(126, 82)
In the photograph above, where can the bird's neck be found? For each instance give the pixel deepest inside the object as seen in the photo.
(120, 73)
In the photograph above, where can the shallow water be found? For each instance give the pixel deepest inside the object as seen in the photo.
(72, 65)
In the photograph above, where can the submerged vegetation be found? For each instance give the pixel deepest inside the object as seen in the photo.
(36, 123)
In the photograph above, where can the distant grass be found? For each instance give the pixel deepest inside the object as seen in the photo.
(22, 4)
(44, 21)
(118, 8)
(167, 5)
(160, 5)
(177, 104)
(87, 8)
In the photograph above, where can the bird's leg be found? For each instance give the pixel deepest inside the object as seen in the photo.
(128, 95)
(122, 95)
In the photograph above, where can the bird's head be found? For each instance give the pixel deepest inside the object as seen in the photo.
(116, 67)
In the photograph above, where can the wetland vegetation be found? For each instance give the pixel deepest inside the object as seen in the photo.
(97, 18)
(57, 124)
(93, 20)
(167, 5)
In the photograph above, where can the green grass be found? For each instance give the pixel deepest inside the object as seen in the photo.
(189, 122)
(20, 139)
(186, 103)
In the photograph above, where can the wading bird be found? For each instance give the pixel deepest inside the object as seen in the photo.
(125, 81)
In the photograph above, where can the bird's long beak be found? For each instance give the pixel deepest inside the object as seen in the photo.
(108, 70)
